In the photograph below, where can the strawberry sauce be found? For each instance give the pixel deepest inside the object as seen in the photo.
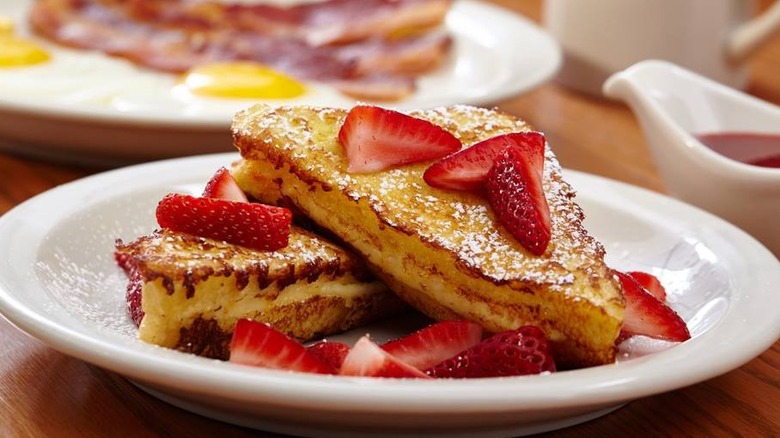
(750, 148)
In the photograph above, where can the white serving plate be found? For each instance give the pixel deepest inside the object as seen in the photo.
(85, 106)
(59, 283)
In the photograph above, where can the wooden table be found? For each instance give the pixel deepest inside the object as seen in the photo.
(44, 393)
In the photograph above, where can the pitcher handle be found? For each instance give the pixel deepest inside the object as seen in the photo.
(749, 36)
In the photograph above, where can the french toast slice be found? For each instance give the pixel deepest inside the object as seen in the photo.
(442, 251)
(193, 289)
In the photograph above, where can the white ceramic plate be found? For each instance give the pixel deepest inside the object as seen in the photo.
(69, 106)
(59, 283)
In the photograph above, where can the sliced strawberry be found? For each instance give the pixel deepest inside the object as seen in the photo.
(332, 353)
(651, 283)
(646, 315)
(258, 344)
(256, 226)
(133, 296)
(124, 261)
(134, 285)
(435, 343)
(223, 186)
(514, 190)
(368, 359)
(467, 169)
(511, 353)
(376, 138)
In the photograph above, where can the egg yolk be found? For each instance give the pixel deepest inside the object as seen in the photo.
(6, 26)
(15, 51)
(241, 80)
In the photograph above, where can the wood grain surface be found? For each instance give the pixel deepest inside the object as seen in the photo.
(44, 393)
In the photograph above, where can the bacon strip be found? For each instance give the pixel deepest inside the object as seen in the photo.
(176, 35)
(319, 23)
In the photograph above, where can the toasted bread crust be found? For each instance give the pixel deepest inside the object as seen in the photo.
(195, 289)
(442, 251)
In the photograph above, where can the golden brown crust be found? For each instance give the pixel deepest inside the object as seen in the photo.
(187, 259)
(195, 289)
(441, 251)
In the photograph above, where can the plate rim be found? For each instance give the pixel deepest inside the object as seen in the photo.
(175, 370)
(64, 111)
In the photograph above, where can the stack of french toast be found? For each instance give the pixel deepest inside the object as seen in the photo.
(428, 210)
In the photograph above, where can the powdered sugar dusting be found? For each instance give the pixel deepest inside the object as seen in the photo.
(166, 252)
(460, 223)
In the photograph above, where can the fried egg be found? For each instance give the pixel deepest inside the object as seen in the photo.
(16, 51)
(241, 80)
(92, 83)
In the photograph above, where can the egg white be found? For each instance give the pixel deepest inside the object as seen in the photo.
(92, 79)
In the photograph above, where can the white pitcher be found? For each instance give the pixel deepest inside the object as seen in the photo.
(673, 105)
(711, 37)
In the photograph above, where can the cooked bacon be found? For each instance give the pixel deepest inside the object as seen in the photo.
(176, 35)
(317, 23)
(376, 87)
(402, 57)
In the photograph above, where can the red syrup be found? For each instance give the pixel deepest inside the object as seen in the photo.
(750, 148)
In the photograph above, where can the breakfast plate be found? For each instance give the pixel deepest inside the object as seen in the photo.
(65, 108)
(60, 284)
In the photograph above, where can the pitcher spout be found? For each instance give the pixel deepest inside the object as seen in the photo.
(652, 92)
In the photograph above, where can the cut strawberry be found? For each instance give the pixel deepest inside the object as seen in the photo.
(133, 296)
(376, 138)
(651, 283)
(256, 226)
(368, 359)
(435, 343)
(134, 285)
(223, 186)
(123, 260)
(259, 344)
(332, 353)
(467, 169)
(511, 353)
(514, 190)
(645, 315)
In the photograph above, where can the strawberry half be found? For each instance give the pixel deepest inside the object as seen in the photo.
(434, 343)
(134, 286)
(259, 344)
(376, 138)
(646, 315)
(133, 295)
(514, 190)
(511, 353)
(332, 353)
(368, 359)
(651, 283)
(253, 225)
(222, 185)
(467, 169)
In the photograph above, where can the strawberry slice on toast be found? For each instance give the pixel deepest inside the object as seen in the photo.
(222, 185)
(514, 190)
(253, 225)
(376, 138)
(510, 169)
(467, 169)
